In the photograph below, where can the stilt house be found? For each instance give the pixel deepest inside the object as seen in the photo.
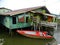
(20, 18)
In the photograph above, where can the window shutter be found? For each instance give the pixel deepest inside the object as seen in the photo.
(21, 19)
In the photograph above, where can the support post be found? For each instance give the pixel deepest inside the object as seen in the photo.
(39, 28)
(10, 32)
(34, 27)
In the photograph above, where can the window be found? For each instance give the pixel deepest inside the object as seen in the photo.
(21, 19)
(14, 20)
(27, 18)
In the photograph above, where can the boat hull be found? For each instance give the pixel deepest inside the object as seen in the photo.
(35, 34)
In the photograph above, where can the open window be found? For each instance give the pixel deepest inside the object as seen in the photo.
(27, 18)
(14, 20)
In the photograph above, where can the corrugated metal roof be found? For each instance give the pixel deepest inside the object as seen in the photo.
(43, 13)
(21, 11)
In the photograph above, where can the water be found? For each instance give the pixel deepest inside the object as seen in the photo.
(57, 35)
(17, 39)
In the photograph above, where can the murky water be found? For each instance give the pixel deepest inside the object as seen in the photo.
(57, 35)
(17, 39)
(21, 40)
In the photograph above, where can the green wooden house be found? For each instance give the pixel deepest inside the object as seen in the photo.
(19, 18)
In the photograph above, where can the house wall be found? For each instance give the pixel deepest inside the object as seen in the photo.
(7, 21)
(4, 20)
(19, 24)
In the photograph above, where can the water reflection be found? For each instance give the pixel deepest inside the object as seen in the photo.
(21, 40)
(53, 42)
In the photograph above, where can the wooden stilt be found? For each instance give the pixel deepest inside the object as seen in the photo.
(34, 27)
(31, 27)
(39, 26)
(10, 32)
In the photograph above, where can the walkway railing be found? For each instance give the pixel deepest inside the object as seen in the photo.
(51, 24)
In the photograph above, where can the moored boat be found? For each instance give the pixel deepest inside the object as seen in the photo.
(35, 34)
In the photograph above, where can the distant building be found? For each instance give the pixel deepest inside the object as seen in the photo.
(4, 10)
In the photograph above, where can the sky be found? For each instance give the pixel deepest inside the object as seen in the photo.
(52, 5)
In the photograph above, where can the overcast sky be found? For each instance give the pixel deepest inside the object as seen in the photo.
(52, 5)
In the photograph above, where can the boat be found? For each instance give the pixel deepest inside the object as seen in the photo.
(35, 34)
